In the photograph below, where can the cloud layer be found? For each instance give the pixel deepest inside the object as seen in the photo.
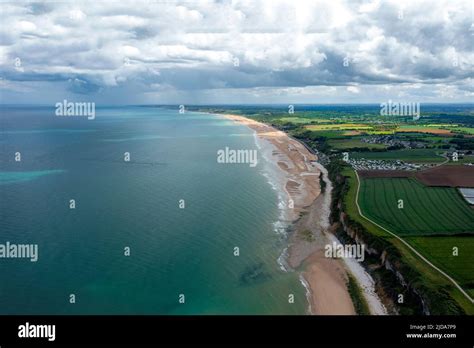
(236, 51)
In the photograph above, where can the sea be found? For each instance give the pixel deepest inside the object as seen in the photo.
(132, 214)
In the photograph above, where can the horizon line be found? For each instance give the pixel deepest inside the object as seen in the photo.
(239, 104)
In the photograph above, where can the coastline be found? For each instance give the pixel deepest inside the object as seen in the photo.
(308, 213)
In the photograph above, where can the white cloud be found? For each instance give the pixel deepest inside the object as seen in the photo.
(280, 44)
(353, 89)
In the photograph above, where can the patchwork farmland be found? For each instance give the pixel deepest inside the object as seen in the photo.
(443, 176)
(426, 210)
(436, 221)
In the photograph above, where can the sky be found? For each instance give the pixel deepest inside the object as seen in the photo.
(236, 52)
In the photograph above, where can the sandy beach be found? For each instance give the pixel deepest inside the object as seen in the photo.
(309, 214)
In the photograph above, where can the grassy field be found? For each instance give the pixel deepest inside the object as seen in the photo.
(350, 143)
(414, 155)
(433, 129)
(440, 251)
(330, 134)
(426, 210)
(297, 120)
(339, 126)
(463, 130)
(351, 208)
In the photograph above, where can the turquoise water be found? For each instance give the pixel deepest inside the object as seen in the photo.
(14, 177)
(136, 204)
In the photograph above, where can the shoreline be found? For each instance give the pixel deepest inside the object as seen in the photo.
(308, 214)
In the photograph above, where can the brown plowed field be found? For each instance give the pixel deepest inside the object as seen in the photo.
(446, 175)
(453, 176)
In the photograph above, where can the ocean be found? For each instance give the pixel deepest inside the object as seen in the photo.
(178, 212)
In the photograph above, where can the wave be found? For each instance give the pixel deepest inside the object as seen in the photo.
(307, 291)
(277, 179)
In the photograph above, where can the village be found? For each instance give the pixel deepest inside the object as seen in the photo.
(393, 142)
(368, 164)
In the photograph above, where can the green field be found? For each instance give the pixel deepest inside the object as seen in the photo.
(463, 130)
(351, 143)
(439, 250)
(297, 120)
(426, 210)
(339, 126)
(427, 128)
(330, 134)
(414, 155)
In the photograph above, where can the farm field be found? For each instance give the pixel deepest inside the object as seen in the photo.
(426, 210)
(439, 250)
(331, 134)
(339, 126)
(463, 130)
(349, 143)
(387, 128)
(413, 155)
(432, 129)
(448, 175)
(432, 139)
(298, 120)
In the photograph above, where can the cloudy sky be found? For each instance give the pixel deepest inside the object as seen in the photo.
(201, 52)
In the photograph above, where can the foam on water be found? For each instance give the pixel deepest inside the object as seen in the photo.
(16, 177)
(277, 179)
(307, 291)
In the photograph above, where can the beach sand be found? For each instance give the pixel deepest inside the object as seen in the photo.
(302, 185)
(325, 277)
